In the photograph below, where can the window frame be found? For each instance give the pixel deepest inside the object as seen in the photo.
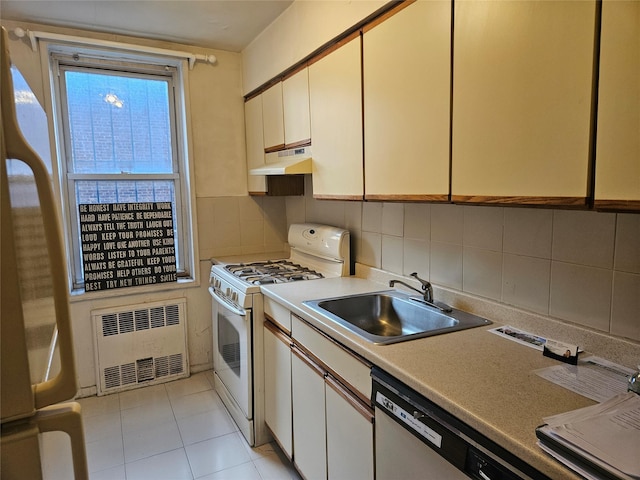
(63, 58)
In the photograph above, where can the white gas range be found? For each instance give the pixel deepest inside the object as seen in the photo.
(317, 251)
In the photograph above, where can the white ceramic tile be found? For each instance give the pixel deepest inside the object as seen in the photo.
(482, 272)
(105, 453)
(143, 396)
(581, 294)
(196, 383)
(101, 426)
(353, 216)
(246, 471)
(625, 320)
(447, 224)
(445, 265)
(370, 249)
(416, 257)
(372, 217)
(417, 219)
(276, 467)
(146, 416)
(188, 405)
(252, 233)
(525, 282)
(627, 254)
(392, 254)
(483, 227)
(329, 212)
(204, 426)
(227, 235)
(216, 454)
(583, 238)
(250, 208)
(295, 209)
(172, 465)
(159, 438)
(99, 405)
(226, 210)
(528, 231)
(393, 219)
(265, 450)
(113, 473)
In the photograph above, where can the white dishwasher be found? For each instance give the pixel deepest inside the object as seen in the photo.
(416, 439)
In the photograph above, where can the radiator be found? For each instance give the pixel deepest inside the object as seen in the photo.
(140, 345)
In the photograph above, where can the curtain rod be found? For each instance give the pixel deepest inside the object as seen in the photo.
(34, 36)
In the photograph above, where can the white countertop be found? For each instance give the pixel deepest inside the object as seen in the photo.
(484, 380)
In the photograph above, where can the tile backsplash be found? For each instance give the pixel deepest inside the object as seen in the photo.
(581, 267)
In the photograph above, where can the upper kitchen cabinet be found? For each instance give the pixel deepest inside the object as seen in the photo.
(522, 101)
(256, 184)
(617, 180)
(407, 94)
(336, 122)
(295, 99)
(273, 118)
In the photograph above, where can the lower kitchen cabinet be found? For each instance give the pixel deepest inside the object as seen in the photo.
(332, 428)
(277, 386)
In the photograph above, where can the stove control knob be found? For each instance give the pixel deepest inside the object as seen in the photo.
(227, 292)
(234, 296)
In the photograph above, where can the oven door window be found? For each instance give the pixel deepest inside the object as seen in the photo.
(233, 362)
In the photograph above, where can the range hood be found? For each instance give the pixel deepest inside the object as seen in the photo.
(295, 161)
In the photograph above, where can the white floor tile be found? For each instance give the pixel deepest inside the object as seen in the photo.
(144, 443)
(114, 473)
(216, 454)
(262, 451)
(276, 467)
(105, 453)
(147, 416)
(204, 426)
(99, 405)
(195, 403)
(246, 471)
(143, 396)
(171, 465)
(186, 386)
(101, 426)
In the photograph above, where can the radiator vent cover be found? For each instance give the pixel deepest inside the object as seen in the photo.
(139, 345)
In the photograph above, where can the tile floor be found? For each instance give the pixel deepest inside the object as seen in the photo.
(173, 431)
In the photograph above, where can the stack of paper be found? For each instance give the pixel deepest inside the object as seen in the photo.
(601, 441)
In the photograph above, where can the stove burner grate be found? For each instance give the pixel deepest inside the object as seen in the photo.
(280, 271)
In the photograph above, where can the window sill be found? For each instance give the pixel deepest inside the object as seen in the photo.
(79, 295)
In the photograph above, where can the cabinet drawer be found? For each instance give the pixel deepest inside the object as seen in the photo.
(344, 364)
(279, 314)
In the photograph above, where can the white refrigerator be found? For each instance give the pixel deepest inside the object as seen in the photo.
(33, 276)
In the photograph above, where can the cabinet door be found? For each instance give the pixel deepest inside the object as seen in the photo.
(255, 144)
(522, 99)
(407, 94)
(309, 436)
(295, 99)
(277, 386)
(349, 434)
(336, 123)
(273, 118)
(617, 182)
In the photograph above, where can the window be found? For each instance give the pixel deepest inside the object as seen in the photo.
(121, 127)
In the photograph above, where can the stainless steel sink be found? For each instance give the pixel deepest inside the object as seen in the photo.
(392, 316)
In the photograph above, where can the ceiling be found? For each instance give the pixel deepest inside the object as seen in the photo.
(221, 24)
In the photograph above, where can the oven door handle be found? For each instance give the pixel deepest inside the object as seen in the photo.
(226, 303)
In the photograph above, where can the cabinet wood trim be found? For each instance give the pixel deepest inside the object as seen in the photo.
(339, 197)
(300, 143)
(363, 409)
(618, 205)
(274, 148)
(444, 198)
(309, 360)
(385, 16)
(258, 194)
(575, 202)
(282, 335)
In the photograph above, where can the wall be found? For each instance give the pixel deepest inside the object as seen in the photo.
(229, 222)
(580, 267)
(298, 31)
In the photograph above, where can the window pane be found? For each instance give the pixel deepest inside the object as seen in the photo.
(127, 191)
(118, 123)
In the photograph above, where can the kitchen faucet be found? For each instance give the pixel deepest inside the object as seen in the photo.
(427, 292)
